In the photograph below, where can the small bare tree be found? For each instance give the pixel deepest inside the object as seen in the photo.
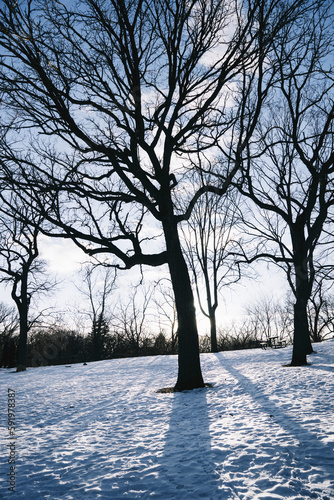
(209, 240)
(21, 267)
(131, 318)
(9, 325)
(98, 285)
(321, 311)
(163, 298)
(269, 319)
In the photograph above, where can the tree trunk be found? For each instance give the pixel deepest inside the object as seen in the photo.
(189, 371)
(22, 303)
(213, 330)
(301, 337)
(22, 351)
(315, 327)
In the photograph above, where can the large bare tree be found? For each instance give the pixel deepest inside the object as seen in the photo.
(288, 173)
(118, 97)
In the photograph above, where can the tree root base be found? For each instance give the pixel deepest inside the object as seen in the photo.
(168, 390)
(296, 364)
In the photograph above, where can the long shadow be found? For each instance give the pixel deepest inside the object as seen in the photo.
(311, 448)
(325, 368)
(187, 467)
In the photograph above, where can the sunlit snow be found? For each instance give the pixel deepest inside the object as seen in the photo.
(101, 431)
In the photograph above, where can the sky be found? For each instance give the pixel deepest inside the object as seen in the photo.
(65, 260)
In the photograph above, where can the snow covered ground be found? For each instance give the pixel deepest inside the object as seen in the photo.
(102, 431)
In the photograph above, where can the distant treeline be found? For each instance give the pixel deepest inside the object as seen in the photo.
(57, 347)
(56, 344)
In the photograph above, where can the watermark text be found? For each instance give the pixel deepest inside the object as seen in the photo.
(11, 445)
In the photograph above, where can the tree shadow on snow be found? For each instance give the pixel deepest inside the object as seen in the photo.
(187, 468)
(311, 450)
(325, 368)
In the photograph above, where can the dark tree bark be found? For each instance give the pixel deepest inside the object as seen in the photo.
(301, 339)
(189, 374)
(22, 300)
(213, 330)
(304, 277)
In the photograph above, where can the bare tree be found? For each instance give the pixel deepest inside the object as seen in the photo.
(320, 310)
(163, 298)
(20, 264)
(124, 93)
(209, 242)
(270, 319)
(289, 171)
(326, 320)
(98, 284)
(131, 318)
(8, 328)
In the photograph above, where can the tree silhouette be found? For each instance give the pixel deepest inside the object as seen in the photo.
(209, 247)
(120, 97)
(20, 264)
(98, 284)
(289, 171)
(8, 328)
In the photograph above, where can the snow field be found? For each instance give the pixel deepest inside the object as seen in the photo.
(101, 431)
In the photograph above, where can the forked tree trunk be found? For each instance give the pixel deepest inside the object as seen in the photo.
(189, 369)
